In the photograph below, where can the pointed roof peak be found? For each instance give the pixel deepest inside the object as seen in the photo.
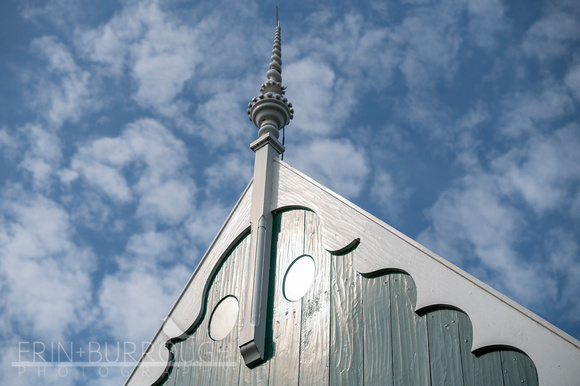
(271, 111)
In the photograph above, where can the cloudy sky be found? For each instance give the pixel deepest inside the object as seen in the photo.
(124, 145)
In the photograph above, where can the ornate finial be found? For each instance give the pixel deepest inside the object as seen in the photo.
(271, 111)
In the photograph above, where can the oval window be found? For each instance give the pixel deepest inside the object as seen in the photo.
(299, 278)
(223, 318)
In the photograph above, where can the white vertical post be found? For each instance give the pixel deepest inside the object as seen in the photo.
(253, 336)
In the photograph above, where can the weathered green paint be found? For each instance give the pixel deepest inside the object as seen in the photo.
(205, 346)
(409, 332)
(227, 356)
(444, 348)
(259, 375)
(346, 323)
(378, 352)
(187, 353)
(518, 369)
(285, 363)
(199, 359)
(314, 332)
(346, 330)
(484, 370)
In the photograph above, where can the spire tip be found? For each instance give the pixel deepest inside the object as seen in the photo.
(272, 111)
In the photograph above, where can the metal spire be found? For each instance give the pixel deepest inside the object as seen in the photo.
(271, 111)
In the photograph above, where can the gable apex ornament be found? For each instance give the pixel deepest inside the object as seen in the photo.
(271, 111)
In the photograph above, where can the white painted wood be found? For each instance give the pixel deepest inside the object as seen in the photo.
(187, 310)
(253, 336)
(496, 319)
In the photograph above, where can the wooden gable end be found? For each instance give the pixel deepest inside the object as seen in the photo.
(382, 309)
(347, 329)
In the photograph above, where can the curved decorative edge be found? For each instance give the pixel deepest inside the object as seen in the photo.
(188, 308)
(437, 307)
(496, 319)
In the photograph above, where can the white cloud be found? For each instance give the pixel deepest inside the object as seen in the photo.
(179, 69)
(555, 33)
(134, 303)
(335, 163)
(476, 224)
(154, 246)
(318, 97)
(561, 247)
(43, 156)
(328, 75)
(463, 137)
(58, 12)
(431, 39)
(545, 171)
(473, 226)
(231, 171)
(486, 21)
(527, 112)
(163, 64)
(219, 119)
(202, 226)
(9, 143)
(147, 163)
(158, 50)
(45, 275)
(17, 348)
(63, 91)
(572, 79)
(89, 209)
(108, 44)
(169, 201)
(384, 191)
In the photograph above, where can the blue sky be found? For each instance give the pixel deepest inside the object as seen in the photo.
(124, 145)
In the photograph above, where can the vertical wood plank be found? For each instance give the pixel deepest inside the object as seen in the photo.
(205, 347)
(378, 345)
(315, 320)
(196, 340)
(518, 369)
(240, 284)
(444, 350)
(410, 344)
(284, 365)
(226, 370)
(183, 373)
(346, 352)
(187, 360)
(174, 371)
(259, 375)
(180, 360)
(484, 370)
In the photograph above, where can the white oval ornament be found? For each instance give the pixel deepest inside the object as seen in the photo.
(224, 317)
(299, 278)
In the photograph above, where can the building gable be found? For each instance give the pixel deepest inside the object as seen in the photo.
(347, 329)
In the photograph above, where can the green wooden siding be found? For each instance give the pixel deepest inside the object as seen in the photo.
(444, 348)
(316, 310)
(347, 329)
(346, 323)
(477, 371)
(378, 362)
